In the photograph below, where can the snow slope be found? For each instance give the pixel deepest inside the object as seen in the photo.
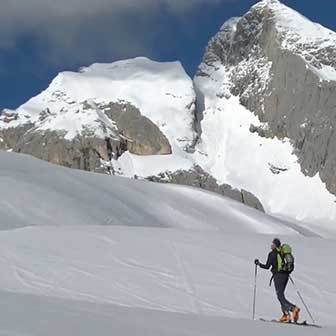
(38, 193)
(106, 254)
(121, 277)
(266, 167)
(171, 270)
(53, 317)
(151, 165)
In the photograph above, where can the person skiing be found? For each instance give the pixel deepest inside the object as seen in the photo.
(280, 277)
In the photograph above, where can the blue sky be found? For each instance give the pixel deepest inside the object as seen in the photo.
(40, 38)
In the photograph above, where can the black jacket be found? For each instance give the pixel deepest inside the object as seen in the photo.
(272, 262)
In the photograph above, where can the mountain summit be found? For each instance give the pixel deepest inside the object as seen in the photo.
(256, 123)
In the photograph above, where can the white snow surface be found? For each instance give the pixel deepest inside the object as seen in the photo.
(39, 193)
(326, 73)
(168, 260)
(129, 165)
(266, 167)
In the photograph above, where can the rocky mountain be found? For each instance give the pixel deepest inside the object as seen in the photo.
(256, 124)
(283, 68)
(268, 79)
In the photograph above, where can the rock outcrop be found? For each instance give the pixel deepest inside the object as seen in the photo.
(145, 138)
(87, 151)
(198, 178)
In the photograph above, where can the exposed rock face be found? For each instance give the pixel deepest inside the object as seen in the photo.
(145, 137)
(283, 68)
(198, 178)
(82, 152)
(9, 137)
(86, 151)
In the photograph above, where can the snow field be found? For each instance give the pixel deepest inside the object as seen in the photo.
(165, 259)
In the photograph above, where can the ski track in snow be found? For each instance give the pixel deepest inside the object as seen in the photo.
(167, 270)
(187, 280)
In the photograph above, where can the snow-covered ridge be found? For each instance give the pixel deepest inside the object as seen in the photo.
(290, 21)
(163, 92)
(155, 112)
(313, 42)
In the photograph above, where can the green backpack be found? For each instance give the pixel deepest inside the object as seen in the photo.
(285, 259)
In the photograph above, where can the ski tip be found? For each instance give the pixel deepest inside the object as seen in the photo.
(305, 323)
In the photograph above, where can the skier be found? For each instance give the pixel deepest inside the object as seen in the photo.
(280, 277)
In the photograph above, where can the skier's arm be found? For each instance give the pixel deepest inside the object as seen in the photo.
(269, 262)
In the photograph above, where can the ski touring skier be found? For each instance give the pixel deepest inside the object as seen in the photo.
(281, 262)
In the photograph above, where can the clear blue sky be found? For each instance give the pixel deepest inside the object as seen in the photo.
(37, 43)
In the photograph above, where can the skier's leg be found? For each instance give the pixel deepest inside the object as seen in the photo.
(292, 307)
(289, 306)
(279, 285)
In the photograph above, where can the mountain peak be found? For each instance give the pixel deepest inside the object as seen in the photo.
(289, 20)
(269, 2)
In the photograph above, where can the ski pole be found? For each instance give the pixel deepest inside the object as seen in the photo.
(301, 298)
(255, 291)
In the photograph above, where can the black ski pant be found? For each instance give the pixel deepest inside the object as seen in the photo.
(280, 283)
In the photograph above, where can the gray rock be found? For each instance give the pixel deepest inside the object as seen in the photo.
(11, 136)
(198, 178)
(251, 200)
(81, 153)
(146, 137)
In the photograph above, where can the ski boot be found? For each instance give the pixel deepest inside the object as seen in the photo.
(296, 314)
(285, 318)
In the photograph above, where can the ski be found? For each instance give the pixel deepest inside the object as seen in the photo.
(298, 324)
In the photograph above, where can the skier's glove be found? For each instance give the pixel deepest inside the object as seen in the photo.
(257, 262)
